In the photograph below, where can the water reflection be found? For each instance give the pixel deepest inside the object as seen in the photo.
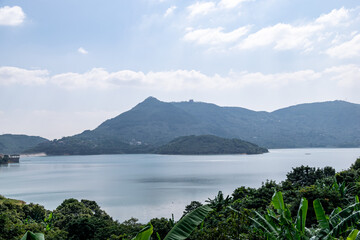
(9, 165)
(148, 186)
(190, 180)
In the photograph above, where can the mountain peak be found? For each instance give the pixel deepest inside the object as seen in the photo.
(149, 102)
(151, 99)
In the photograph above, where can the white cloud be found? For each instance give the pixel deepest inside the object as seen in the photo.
(169, 11)
(178, 80)
(321, 33)
(345, 75)
(335, 17)
(231, 3)
(11, 16)
(283, 36)
(214, 36)
(201, 8)
(82, 51)
(97, 77)
(347, 49)
(14, 75)
(204, 8)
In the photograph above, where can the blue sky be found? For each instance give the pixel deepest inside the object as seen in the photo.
(66, 66)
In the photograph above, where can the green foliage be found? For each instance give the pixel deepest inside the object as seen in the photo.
(356, 165)
(33, 236)
(145, 233)
(219, 201)
(188, 223)
(191, 207)
(34, 212)
(182, 229)
(339, 222)
(280, 225)
(10, 143)
(161, 227)
(306, 176)
(208, 144)
(251, 198)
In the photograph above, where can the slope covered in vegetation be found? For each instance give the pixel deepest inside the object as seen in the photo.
(153, 123)
(208, 144)
(11, 143)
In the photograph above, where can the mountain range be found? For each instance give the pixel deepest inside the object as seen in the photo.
(153, 123)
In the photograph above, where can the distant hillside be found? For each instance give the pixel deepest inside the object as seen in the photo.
(208, 144)
(153, 123)
(10, 143)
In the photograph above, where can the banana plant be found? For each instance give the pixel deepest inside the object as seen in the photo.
(338, 223)
(33, 236)
(181, 229)
(144, 233)
(279, 224)
(342, 189)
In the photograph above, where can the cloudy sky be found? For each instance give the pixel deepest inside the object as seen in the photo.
(66, 66)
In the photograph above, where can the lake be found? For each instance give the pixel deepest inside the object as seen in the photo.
(148, 186)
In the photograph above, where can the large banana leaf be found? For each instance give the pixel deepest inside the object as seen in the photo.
(265, 225)
(301, 216)
(145, 233)
(348, 211)
(187, 224)
(278, 201)
(335, 218)
(33, 236)
(282, 210)
(320, 215)
(350, 221)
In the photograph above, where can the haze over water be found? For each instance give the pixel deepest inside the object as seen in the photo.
(149, 186)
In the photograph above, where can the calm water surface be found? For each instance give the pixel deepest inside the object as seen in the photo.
(148, 186)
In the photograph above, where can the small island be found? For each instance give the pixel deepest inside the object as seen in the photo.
(208, 145)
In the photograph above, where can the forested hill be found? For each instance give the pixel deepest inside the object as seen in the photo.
(154, 123)
(10, 143)
(208, 144)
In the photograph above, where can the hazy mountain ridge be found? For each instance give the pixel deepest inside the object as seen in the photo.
(152, 123)
(12, 143)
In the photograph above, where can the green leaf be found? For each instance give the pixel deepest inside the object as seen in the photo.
(145, 233)
(301, 216)
(278, 201)
(33, 236)
(354, 235)
(265, 224)
(320, 215)
(345, 224)
(233, 209)
(188, 223)
(158, 236)
(335, 218)
(347, 211)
